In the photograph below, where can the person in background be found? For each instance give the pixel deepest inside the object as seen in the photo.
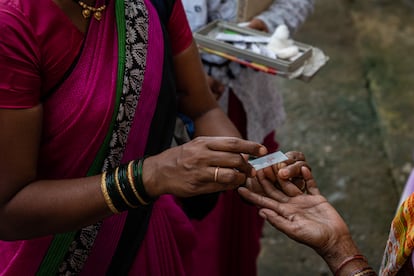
(89, 93)
(254, 104)
(308, 218)
(250, 98)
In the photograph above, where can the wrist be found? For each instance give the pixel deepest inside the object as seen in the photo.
(148, 178)
(353, 265)
(336, 254)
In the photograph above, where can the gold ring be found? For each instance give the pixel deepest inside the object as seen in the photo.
(216, 174)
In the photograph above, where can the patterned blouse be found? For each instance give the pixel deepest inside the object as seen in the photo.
(292, 13)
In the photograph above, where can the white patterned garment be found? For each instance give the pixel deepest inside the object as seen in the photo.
(292, 13)
(257, 91)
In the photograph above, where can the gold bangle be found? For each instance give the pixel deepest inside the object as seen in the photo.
(118, 186)
(108, 200)
(132, 183)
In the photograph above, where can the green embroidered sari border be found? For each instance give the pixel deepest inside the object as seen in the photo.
(61, 242)
(120, 22)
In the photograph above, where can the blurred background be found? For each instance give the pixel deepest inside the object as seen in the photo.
(354, 121)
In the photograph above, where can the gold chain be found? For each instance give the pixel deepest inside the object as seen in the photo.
(89, 10)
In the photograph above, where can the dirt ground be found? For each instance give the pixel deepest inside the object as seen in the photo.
(354, 121)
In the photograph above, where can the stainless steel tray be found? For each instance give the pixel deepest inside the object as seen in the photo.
(205, 38)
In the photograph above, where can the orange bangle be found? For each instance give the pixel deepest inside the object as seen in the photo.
(348, 260)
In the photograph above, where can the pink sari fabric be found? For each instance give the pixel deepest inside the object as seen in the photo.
(228, 239)
(159, 244)
(77, 118)
(169, 243)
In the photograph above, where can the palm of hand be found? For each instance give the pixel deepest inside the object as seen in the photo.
(308, 219)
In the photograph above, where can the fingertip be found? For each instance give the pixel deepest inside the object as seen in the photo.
(283, 173)
(262, 150)
(241, 189)
(306, 172)
(262, 214)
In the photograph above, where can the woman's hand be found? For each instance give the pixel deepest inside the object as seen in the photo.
(306, 218)
(258, 24)
(287, 175)
(203, 165)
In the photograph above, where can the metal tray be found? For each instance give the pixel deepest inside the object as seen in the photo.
(205, 38)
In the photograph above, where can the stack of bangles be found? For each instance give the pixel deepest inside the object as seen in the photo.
(365, 271)
(123, 188)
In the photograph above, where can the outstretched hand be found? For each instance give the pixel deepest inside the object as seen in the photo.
(307, 218)
(287, 175)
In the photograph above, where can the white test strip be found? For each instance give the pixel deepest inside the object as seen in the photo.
(242, 38)
(268, 160)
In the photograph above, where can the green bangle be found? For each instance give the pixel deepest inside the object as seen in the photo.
(113, 192)
(131, 177)
(121, 189)
(126, 187)
(139, 185)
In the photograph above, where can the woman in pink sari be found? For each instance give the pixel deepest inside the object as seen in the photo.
(86, 91)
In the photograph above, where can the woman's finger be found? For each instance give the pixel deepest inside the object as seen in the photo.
(311, 185)
(231, 161)
(258, 200)
(289, 188)
(229, 178)
(273, 192)
(295, 156)
(291, 171)
(254, 186)
(277, 221)
(236, 145)
(270, 173)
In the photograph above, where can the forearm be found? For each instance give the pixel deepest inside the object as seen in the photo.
(46, 207)
(215, 123)
(196, 99)
(30, 207)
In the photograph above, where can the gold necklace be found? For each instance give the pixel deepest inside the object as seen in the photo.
(89, 10)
